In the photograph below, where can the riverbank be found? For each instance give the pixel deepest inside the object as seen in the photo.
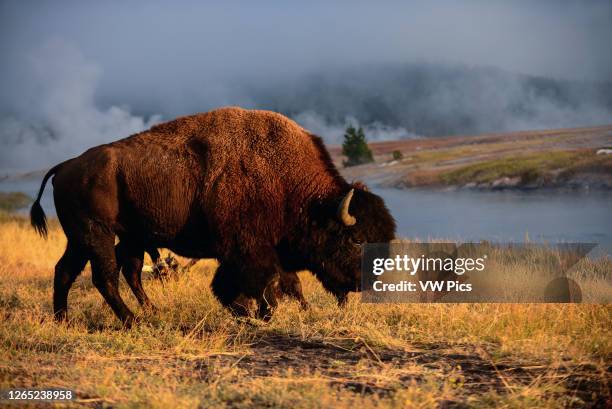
(577, 158)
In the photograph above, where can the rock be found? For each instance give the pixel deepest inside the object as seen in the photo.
(506, 182)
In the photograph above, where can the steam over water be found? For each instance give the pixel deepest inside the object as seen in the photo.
(76, 74)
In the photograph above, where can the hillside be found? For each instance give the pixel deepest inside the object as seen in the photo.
(557, 158)
(561, 158)
(435, 99)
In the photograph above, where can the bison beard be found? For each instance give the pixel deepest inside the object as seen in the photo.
(250, 188)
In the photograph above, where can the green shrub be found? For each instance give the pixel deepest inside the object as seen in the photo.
(355, 147)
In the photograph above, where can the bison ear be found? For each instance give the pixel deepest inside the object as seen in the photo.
(343, 210)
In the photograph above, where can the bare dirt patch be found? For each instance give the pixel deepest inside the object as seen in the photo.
(363, 369)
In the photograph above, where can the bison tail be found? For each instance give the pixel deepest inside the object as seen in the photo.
(38, 219)
(37, 214)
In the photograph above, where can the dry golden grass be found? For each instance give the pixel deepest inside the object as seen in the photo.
(192, 353)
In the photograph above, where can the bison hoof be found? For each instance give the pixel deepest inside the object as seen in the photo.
(60, 316)
(265, 313)
(150, 309)
(129, 321)
(342, 301)
(266, 317)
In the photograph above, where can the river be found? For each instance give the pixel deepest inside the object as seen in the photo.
(503, 216)
(466, 215)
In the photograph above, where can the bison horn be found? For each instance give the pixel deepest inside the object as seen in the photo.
(343, 210)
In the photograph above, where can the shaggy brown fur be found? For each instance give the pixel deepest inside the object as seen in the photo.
(250, 188)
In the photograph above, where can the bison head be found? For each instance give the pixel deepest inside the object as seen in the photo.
(338, 230)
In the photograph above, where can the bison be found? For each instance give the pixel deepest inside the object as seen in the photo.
(250, 188)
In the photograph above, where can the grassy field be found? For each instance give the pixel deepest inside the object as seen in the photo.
(192, 353)
(11, 201)
(562, 158)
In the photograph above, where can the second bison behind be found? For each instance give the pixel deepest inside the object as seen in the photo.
(250, 188)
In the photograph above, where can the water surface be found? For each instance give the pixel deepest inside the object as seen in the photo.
(503, 216)
(465, 215)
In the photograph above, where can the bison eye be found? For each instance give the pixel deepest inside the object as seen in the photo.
(356, 242)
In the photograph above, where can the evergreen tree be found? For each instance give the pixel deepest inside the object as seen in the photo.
(355, 147)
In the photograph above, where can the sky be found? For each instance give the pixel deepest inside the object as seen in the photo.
(77, 73)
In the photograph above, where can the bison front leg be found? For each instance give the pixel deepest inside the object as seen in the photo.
(227, 290)
(291, 286)
(251, 278)
(268, 301)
